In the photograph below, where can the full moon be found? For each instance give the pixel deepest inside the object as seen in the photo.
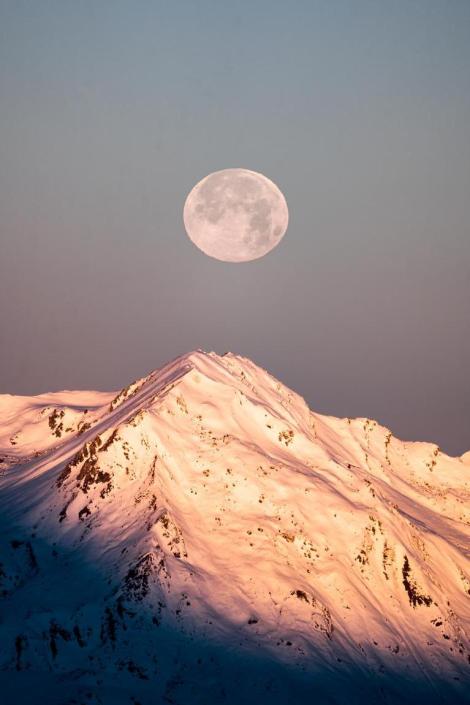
(235, 215)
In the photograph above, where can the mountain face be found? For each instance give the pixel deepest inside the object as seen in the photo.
(203, 537)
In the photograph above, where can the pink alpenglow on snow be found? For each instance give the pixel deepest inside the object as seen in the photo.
(204, 527)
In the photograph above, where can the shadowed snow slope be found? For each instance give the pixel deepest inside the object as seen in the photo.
(203, 537)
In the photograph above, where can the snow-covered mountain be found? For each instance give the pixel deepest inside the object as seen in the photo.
(203, 537)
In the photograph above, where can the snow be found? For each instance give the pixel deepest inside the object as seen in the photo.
(203, 526)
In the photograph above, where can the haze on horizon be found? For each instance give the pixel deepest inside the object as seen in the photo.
(360, 112)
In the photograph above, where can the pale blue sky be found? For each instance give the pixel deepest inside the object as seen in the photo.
(359, 111)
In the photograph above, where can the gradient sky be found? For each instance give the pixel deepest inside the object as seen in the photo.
(359, 111)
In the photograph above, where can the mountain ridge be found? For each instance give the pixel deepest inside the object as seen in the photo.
(217, 509)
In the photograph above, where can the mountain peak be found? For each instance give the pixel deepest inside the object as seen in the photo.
(206, 509)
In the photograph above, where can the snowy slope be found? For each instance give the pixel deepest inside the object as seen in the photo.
(202, 536)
